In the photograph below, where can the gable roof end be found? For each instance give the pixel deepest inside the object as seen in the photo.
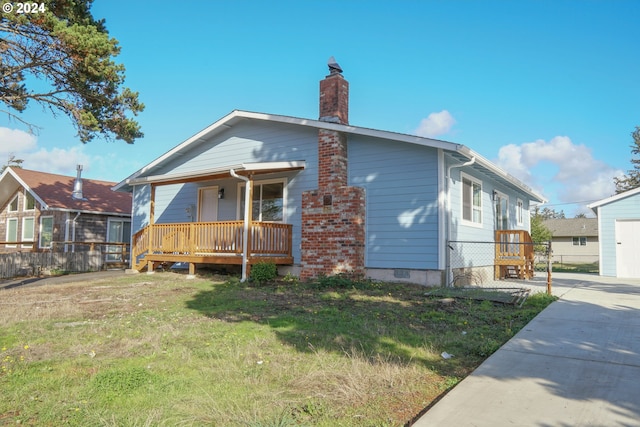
(54, 192)
(459, 151)
(593, 206)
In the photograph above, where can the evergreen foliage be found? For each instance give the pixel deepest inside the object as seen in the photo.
(632, 179)
(63, 46)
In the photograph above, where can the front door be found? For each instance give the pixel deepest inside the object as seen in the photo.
(208, 204)
(627, 249)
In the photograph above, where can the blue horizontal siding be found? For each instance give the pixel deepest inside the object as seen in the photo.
(401, 186)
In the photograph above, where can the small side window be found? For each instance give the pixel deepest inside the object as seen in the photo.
(13, 206)
(29, 202)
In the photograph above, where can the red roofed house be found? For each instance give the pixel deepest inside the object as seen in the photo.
(40, 210)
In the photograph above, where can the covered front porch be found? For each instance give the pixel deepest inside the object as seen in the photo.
(255, 232)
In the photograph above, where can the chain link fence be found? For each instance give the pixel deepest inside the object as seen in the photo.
(501, 266)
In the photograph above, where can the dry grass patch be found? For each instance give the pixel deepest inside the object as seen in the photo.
(163, 350)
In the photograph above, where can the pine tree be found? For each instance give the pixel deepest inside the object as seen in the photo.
(632, 179)
(63, 46)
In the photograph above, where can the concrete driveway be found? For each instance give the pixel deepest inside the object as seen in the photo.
(576, 364)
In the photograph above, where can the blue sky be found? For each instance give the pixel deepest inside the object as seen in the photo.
(547, 89)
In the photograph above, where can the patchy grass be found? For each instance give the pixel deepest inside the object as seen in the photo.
(162, 350)
(566, 267)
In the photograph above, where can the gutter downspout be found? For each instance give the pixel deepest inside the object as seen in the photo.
(449, 272)
(245, 235)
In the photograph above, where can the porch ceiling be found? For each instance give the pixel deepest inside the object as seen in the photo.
(219, 172)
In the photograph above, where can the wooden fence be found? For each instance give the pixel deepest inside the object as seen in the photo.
(21, 264)
(86, 257)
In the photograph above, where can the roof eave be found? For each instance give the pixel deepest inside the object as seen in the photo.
(469, 153)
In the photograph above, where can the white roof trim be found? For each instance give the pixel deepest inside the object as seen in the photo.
(9, 171)
(467, 152)
(237, 115)
(244, 167)
(614, 198)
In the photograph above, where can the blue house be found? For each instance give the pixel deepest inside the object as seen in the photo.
(619, 230)
(321, 197)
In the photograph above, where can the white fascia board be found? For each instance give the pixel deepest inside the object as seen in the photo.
(203, 134)
(467, 152)
(25, 186)
(613, 198)
(227, 121)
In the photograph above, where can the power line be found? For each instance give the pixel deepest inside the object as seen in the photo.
(584, 202)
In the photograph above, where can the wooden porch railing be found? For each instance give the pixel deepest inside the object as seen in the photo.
(514, 254)
(211, 238)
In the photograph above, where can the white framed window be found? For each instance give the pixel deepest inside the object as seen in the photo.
(580, 241)
(471, 200)
(520, 212)
(268, 200)
(29, 202)
(13, 206)
(46, 232)
(28, 231)
(12, 231)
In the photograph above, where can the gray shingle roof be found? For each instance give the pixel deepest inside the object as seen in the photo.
(572, 227)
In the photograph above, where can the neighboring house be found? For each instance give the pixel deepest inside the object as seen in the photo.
(574, 240)
(321, 197)
(41, 210)
(619, 226)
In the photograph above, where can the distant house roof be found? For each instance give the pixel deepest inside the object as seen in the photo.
(53, 192)
(572, 227)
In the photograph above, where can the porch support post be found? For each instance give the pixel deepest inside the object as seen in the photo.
(152, 206)
(246, 224)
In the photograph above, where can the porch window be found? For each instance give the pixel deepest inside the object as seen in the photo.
(29, 202)
(471, 200)
(579, 241)
(46, 231)
(268, 201)
(28, 231)
(13, 206)
(12, 231)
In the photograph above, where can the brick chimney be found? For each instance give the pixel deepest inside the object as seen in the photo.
(334, 96)
(333, 237)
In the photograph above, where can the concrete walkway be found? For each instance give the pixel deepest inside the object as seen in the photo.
(576, 364)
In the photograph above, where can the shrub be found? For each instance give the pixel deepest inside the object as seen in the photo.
(263, 272)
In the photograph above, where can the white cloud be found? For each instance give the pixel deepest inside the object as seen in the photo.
(435, 124)
(24, 146)
(56, 160)
(559, 166)
(13, 141)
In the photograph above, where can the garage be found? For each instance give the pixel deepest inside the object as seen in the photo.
(619, 232)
